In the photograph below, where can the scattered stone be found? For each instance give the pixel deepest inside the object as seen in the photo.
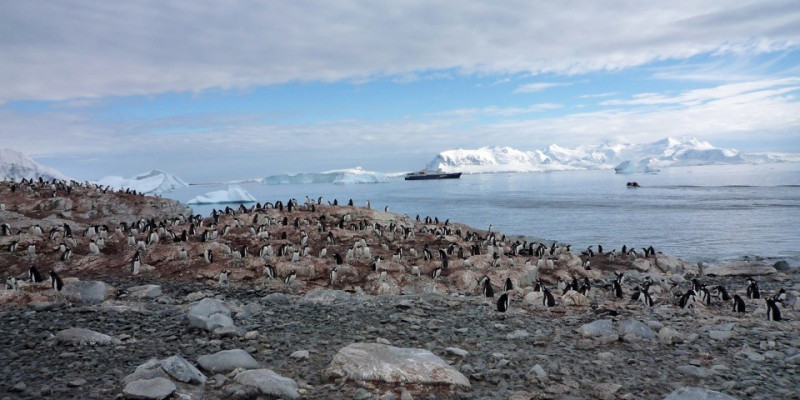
(599, 328)
(517, 334)
(605, 391)
(781, 266)
(634, 328)
(669, 335)
(539, 371)
(227, 360)
(269, 383)
(694, 393)
(696, 371)
(180, 369)
(91, 292)
(210, 314)
(720, 335)
(80, 336)
(76, 382)
(739, 268)
(457, 351)
(300, 355)
(378, 362)
(145, 291)
(149, 389)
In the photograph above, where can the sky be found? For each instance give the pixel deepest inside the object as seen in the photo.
(219, 90)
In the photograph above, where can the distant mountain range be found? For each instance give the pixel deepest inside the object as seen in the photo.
(624, 158)
(16, 166)
(153, 182)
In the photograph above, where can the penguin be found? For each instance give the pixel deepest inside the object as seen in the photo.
(548, 300)
(508, 285)
(382, 275)
(209, 256)
(269, 271)
(332, 275)
(55, 281)
(752, 289)
(338, 259)
(645, 297)
(93, 249)
(721, 293)
(688, 299)
(773, 312)
(584, 290)
(539, 285)
(486, 287)
(290, 278)
(502, 303)
(223, 277)
(136, 263)
(437, 272)
(66, 255)
(780, 296)
(705, 295)
(34, 275)
(11, 284)
(182, 255)
(738, 304)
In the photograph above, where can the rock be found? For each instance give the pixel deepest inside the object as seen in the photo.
(80, 336)
(326, 296)
(181, 370)
(693, 393)
(145, 291)
(156, 389)
(751, 354)
(300, 355)
(533, 298)
(250, 310)
(269, 383)
(642, 264)
(517, 334)
(91, 292)
(669, 335)
(457, 351)
(149, 370)
(227, 360)
(781, 266)
(696, 371)
(210, 314)
(599, 328)
(573, 298)
(76, 382)
(739, 268)
(539, 371)
(636, 329)
(795, 359)
(720, 335)
(605, 391)
(378, 362)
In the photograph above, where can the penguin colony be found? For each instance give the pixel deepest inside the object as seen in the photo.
(304, 243)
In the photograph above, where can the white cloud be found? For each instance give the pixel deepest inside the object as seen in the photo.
(88, 49)
(538, 87)
(728, 91)
(495, 111)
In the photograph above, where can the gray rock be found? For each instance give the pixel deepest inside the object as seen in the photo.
(145, 291)
(91, 292)
(693, 393)
(80, 336)
(669, 335)
(720, 335)
(149, 370)
(636, 329)
(250, 310)
(210, 314)
(227, 360)
(599, 328)
(149, 389)
(208, 307)
(300, 355)
(539, 371)
(181, 370)
(378, 362)
(739, 268)
(326, 296)
(269, 383)
(781, 266)
(517, 334)
(457, 351)
(696, 371)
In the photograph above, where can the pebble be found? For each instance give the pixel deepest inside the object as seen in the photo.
(300, 355)
(457, 351)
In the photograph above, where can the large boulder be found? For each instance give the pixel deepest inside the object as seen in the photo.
(671, 265)
(211, 315)
(145, 291)
(694, 393)
(91, 292)
(634, 329)
(739, 268)
(228, 360)
(599, 328)
(269, 383)
(379, 362)
(149, 389)
(81, 336)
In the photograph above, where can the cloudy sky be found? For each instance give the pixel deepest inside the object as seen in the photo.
(216, 90)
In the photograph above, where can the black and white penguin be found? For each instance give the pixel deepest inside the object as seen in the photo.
(584, 289)
(645, 296)
(617, 288)
(55, 281)
(223, 277)
(269, 271)
(738, 304)
(290, 278)
(705, 295)
(34, 275)
(539, 286)
(752, 289)
(209, 256)
(502, 303)
(338, 259)
(437, 272)
(773, 312)
(780, 296)
(136, 263)
(332, 276)
(486, 287)
(721, 293)
(182, 254)
(688, 299)
(508, 285)
(548, 300)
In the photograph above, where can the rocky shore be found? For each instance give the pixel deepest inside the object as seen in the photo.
(173, 327)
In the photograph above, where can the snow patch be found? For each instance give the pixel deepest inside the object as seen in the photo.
(15, 166)
(153, 182)
(234, 194)
(338, 176)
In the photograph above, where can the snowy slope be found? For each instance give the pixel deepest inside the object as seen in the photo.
(16, 166)
(624, 158)
(234, 194)
(338, 176)
(153, 182)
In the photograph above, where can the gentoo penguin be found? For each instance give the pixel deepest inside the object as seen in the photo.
(437, 272)
(584, 290)
(182, 255)
(752, 289)
(502, 303)
(721, 293)
(382, 275)
(738, 304)
(269, 271)
(508, 285)
(548, 300)
(486, 287)
(645, 296)
(705, 295)
(34, 275)
(332, 275)
(209, 256)
(773, 312)
(66, 255)
(290, 278)
(539, 286)
(55, 281)
(11, 284)
(688, 299)
(780, 296)
(617, 288)
(136, 263)
(338, 259)
(93, 249)
(223, 277)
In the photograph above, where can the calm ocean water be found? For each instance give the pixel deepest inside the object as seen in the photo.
(708, 213)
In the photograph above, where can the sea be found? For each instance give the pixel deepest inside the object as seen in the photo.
(713, 214)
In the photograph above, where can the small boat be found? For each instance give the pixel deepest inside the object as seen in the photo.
(423, 175)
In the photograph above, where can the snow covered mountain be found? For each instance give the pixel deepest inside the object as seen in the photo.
(624, 158)
(338, 176)
(153, 182)
(234, 194)
(16, 166)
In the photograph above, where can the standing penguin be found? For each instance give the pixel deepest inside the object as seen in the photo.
(773, 312)
(508, 285)
(548, 300)
(56, 282)
(269, 271)
(688, 299)
(738, 304)
(34, 275)
(502, 303)
(437, 272)
(486, 287)
(290, 278)
(332, 276)
(752, 289)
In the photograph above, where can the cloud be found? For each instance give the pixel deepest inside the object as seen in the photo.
(87, 49)
(728, 91)
(538, 87)
(495, 111)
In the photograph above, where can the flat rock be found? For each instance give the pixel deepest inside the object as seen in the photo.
(599, 328)
(147, 389)
(517, 334)
(379, 362)
(227, 360)
(81, 336)
(269, 383)
(739, 268)
(636, 329)
(326, 296)
(181, 370)
(696, 371)
(694, 393)
(91, 292)
(720, 335)
(210, 314)
(300, 355)
(457, 351)
(145, 291)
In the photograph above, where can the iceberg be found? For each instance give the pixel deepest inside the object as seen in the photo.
(153, 182)
(234, 194)
(15, 166)
(337, 176)
(623, 158)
